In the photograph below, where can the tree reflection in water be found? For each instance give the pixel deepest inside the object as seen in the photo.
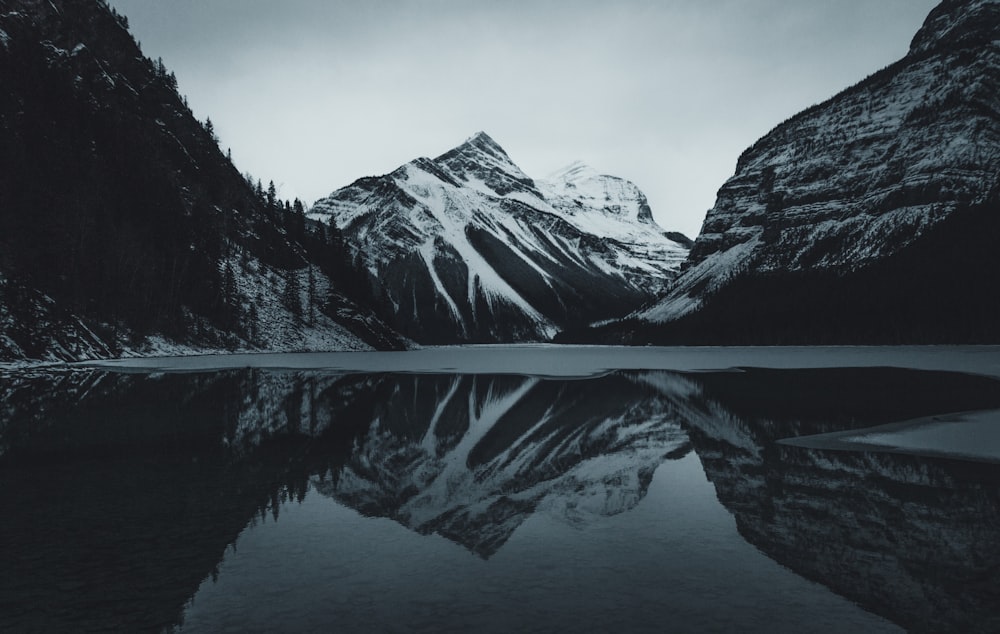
(124, 491)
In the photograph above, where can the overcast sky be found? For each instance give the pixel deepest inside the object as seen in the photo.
(317, 93)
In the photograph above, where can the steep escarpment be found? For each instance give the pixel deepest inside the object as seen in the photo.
(806, 241)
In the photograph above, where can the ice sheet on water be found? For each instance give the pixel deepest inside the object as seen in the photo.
(969, 435)
(583, 361)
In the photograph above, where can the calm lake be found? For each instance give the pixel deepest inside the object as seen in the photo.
(529, 488)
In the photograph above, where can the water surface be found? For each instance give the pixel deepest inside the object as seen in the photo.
(287, 498)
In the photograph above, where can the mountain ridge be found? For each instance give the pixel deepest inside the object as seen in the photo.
(830, 197)
(466, 247)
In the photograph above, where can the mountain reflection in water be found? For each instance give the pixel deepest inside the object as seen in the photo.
(123, 492)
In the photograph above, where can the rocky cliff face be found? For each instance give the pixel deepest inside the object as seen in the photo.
(858, 179)
(467, 248)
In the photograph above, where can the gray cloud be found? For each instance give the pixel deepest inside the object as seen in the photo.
(316, 93)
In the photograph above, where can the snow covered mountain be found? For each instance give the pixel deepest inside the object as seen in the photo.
(467, 248)
(871, 217)
(124, 228)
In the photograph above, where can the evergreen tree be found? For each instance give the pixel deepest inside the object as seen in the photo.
(335, 238)
(230, 296)
(311, 297)
(290, 295)
(272, 196)
(319, 240)
(295, 221)
(210, 128)
(254, 318)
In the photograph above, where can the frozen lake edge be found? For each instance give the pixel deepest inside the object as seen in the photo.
(547, 360)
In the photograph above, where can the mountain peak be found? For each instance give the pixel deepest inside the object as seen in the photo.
(481, 158)
(482, 140)
(611, 196)
(480, 144)
(468, 249)
(958, 24)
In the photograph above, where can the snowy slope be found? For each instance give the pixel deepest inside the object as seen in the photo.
(860, 177)
(466, 247)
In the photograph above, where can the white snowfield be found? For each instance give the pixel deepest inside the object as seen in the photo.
(445, 212)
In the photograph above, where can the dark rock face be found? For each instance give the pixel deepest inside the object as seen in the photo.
(480, 156)
(958, 24)
(467, 248)
(120, 218)
(857, 180)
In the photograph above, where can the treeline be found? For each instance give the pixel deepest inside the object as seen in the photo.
(119, 205)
